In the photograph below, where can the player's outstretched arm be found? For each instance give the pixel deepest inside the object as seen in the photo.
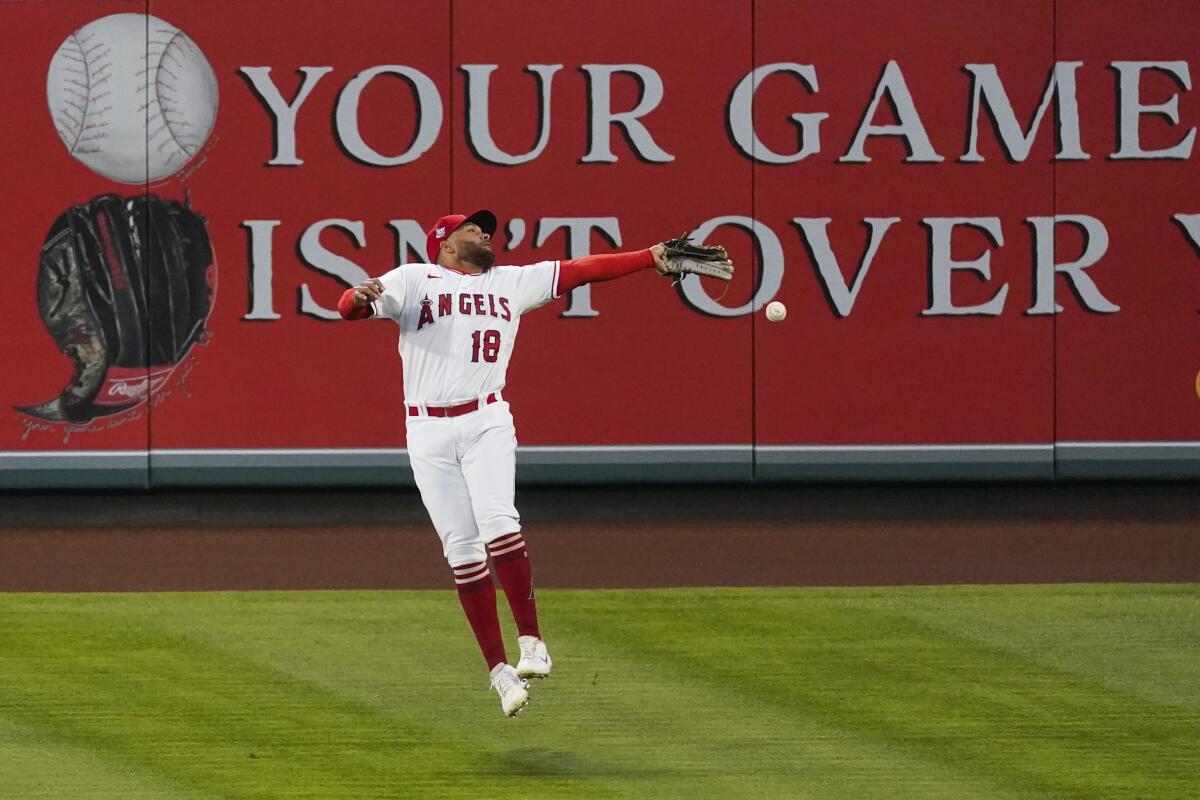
(591, 269)
(356, 302)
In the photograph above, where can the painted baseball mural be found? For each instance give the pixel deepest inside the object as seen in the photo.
(977, 224)
(125, 287)
(132, 97)
(125, 283)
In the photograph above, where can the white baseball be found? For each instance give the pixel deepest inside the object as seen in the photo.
(132, 97)
(776, 311)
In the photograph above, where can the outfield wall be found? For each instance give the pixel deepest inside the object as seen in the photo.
(981, 217)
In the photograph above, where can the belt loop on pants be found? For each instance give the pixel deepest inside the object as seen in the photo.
(455, 410)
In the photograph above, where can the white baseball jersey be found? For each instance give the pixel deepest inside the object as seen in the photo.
(457, 330)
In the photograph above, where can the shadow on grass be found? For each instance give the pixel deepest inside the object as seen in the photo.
(540, 762)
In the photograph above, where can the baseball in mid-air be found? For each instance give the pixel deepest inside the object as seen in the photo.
(776, 311)
(132, 97)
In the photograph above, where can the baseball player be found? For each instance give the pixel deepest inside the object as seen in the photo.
(458, 317)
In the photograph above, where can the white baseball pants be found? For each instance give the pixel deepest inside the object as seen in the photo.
(466, 468)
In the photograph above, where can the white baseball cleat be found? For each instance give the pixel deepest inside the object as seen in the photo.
(512, 690)
(535, 660)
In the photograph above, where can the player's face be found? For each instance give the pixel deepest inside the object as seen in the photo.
(473, 245)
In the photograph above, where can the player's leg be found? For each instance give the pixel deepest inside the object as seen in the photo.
(444, 493)
(439, 477)
(510, 562)
(478, 597)
(489, 465)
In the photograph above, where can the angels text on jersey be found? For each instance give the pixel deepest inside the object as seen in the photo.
(457, 330)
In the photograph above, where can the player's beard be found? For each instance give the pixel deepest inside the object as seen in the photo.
(480, 256)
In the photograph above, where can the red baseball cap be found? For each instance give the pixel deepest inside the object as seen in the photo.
(448, 224)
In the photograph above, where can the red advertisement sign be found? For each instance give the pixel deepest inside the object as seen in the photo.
(979, 218)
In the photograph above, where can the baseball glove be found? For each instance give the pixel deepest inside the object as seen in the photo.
(125, 288)
(681, 258)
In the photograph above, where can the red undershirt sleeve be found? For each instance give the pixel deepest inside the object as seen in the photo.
(589, 269)
(347, 309)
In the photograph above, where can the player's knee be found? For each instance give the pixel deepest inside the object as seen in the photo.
(493, 526)
(465, 553)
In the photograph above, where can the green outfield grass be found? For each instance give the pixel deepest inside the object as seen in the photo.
(948, 692)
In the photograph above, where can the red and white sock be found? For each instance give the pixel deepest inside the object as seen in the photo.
(478, 597)
(515, 573)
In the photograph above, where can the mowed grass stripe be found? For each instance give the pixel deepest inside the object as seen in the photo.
(730, 739)
(34, 767)
(821, 693)
(215, 723)
(942, 698)
(654, 733)
(416, 657)
(1156, 631)
(638, 735)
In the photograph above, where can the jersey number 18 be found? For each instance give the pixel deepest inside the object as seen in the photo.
(487, 344)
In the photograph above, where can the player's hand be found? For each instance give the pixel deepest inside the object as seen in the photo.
(368, 291)
(657, 251)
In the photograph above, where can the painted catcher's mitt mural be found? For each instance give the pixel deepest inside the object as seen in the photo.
(125, 287)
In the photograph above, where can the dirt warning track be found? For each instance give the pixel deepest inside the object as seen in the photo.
(610, 537)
